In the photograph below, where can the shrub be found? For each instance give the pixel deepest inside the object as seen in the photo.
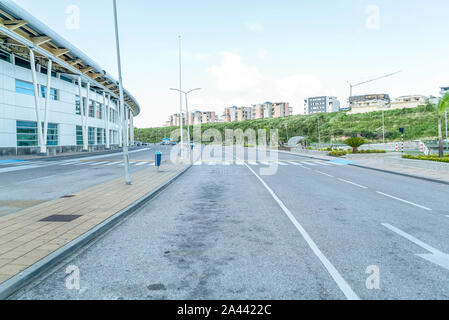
(355, 143)
(337, 153)
(427, 158)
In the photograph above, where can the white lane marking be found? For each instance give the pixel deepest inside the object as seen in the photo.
(265, 163)
(98, 163)
(18, 168)
(353, 183)
(405, 201)
(281, 163)
(142, 163)
(342, 284)
(198, 163)
(252, 163)
(80, 164)
(308, 163)
(323, 164)
(294, 163)
(437, 257)
(113, 163)
(324, 173)
(240, 163)
(37, 179)
(227, 163)
(68, 163)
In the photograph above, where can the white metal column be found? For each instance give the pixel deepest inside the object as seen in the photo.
(83, 127)
(107, 103)
(131, 129)
(47, 103)
(86, 117)
(120, 124)
(36, 103)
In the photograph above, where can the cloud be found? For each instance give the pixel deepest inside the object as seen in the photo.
(262, 53)
(232, 75)
(255, 27)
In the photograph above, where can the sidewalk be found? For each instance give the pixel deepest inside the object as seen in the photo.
(35, 233)
(391, 162)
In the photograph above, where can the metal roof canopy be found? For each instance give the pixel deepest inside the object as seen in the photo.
(19, 30)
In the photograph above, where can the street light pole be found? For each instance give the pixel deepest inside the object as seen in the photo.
(122, 100)
(187, 114)
(180, 97)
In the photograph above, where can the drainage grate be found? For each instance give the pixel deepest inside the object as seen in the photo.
(60, 218)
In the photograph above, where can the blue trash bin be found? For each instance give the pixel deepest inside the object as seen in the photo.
(158, 160)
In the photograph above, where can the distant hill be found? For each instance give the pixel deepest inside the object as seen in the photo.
(419, 123)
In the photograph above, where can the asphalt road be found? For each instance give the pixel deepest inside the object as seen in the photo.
(27, 183)
(311, 230)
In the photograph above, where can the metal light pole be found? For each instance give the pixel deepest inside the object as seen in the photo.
(187, 113)
(180, 97)
(122, 100)
(447, 140)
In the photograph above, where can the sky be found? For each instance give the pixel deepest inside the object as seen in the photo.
(248, 52)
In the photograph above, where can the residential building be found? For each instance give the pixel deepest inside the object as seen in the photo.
(230, 114)
(444, 90)
(83, 109)
(368, 103)
(244, 113)
(258, 111)
(281, 109)
(323, 104)
(412, 101)
(208, 117)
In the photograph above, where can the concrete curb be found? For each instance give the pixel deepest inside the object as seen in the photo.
(374, 169)
(23, 278)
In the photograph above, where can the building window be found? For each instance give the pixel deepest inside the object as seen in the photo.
(92, 109)
(100, 111)
(5, 56)
(22, 63)
(53, 93)
(91, 136)
(100, 136)
(27, 134)
(79, 135)
(24, 87)
(77, 105)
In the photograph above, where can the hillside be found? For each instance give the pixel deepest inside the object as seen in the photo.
(419, 123)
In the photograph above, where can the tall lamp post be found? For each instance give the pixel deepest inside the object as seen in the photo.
(187, 114)
(122, 100)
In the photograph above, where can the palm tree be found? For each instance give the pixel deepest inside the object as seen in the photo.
(442, 106)
(355, 143)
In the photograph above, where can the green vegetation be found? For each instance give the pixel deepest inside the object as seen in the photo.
(355, 143)
(441, 107)
(428, 158)
(341, 152)
(419, 123)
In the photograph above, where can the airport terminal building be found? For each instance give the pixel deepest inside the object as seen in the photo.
(80, 112)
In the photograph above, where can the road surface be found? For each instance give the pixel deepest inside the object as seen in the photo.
(312, 230)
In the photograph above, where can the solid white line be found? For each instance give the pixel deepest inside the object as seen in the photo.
(252, 163)
(324, 174)
(308, 163)
(199, 163)
(265, 163)
(353, 183)
(281, 163)
(141, 163)
(294, 163)
(412, 239)
(342, 284)
(11, 169)
(112, 163)
(323, 164)
(405, 201)
(98, 163)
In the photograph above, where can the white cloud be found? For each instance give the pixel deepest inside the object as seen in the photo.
(232, 75)
(255, 27)
(262, 53)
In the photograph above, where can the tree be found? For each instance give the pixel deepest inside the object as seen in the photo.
(355, 143)
(441, 107)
